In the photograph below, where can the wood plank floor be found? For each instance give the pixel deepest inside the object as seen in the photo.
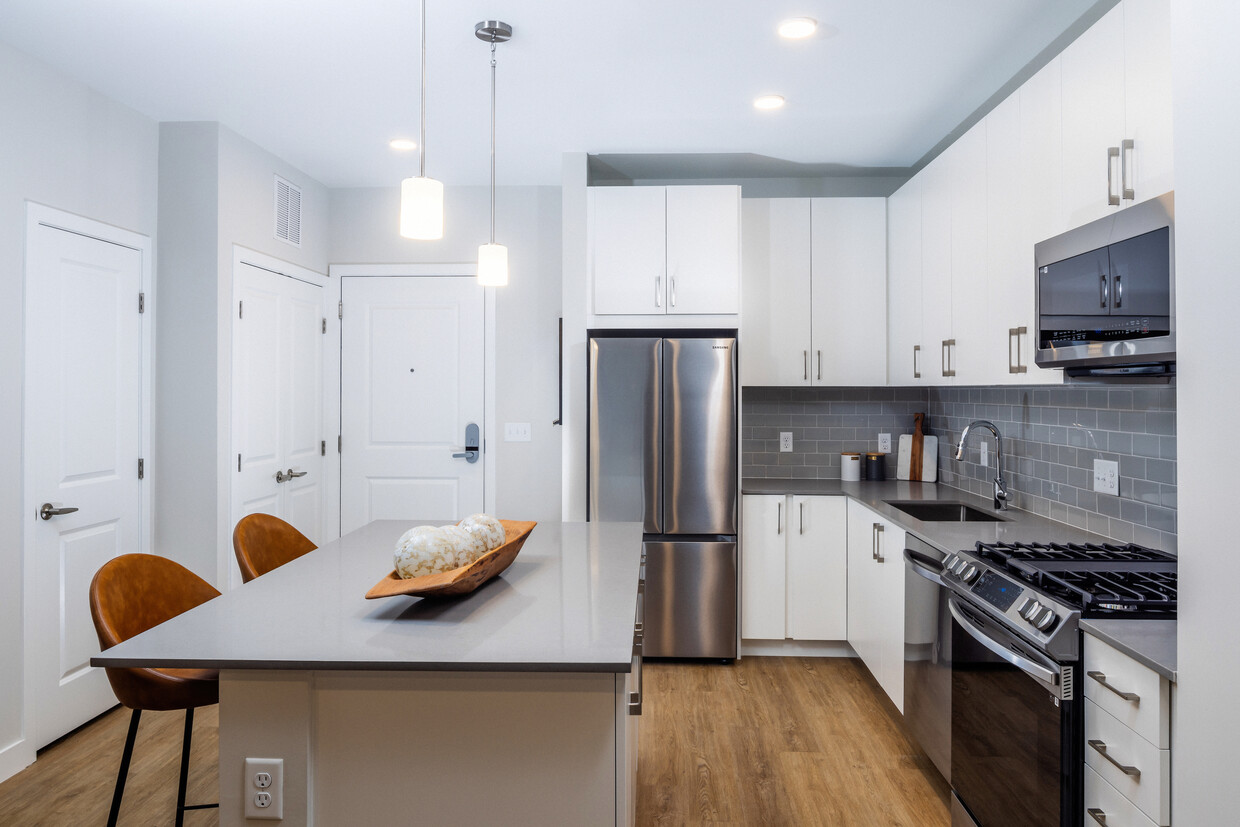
(779, 741)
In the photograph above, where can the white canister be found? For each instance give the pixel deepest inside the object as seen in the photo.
(850, 466)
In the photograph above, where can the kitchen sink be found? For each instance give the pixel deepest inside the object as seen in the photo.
(939, 511)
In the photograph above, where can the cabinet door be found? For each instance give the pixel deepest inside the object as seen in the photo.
(863, 631)
(1041, 152)
(627, 249)
(764, 521)
(817, 572)
(775, 281)
(848, 261)
(703, 249)
(1093, 118)
(906, 352)
(889, 610)
(936, 269)
(970, 327)
(1147, 97)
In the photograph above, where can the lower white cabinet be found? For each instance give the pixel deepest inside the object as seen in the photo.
(876, 597)
(794, 567)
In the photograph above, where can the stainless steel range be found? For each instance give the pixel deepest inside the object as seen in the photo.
(1017, 714)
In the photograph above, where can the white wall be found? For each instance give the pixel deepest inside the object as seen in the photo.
(364, 231)
(1206, 725)
(575, 179)
(64, 145)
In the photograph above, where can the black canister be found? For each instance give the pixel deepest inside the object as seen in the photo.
(875, 466)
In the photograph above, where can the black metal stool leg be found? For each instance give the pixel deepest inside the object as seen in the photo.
(119, 792)
(189, 732)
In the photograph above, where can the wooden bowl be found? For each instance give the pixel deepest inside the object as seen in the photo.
(463, 580)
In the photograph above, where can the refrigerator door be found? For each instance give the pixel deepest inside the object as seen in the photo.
(626, 437)
(690, 605)
(699, 436)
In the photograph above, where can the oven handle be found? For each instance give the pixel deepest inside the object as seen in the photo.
(923, 565)
(1034, 670)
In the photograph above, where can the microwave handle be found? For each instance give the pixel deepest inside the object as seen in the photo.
(1119, 291)
(1104, 290)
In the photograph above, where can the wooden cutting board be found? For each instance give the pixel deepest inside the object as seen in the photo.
(929, 458)
(915, 454)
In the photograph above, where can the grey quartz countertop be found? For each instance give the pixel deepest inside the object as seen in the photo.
(566, 604)
(1151, 642)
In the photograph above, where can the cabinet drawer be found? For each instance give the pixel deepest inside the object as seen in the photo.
(1104, 805)
(1151, 789)
(1150, 713)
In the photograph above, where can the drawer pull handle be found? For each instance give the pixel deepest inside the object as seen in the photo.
(1101, 749)
(1097, 815)
(1102, 679)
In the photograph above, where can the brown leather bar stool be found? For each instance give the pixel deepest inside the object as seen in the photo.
(133, 593)
(263, 542)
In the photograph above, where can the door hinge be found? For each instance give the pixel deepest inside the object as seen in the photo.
(324, 324)
(141, 468)
(340, 309)
(141, 302)
(240, 310)
(323, 448)
(339, 443)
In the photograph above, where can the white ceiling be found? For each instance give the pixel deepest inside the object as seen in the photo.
(324, 84)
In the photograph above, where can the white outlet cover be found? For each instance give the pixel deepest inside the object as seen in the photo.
(516, 432)
(263, 790)
(785, 441)
(1106, 477)
(884, 443)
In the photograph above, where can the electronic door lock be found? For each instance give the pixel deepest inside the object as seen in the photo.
(471, 451)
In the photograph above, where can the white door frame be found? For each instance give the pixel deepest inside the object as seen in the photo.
(331, 418)
(22, 752)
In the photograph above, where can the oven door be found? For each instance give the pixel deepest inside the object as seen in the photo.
(1016, 755)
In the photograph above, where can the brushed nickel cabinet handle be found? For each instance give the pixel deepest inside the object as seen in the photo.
(671, 285)
(1112, 195)
(1126, 147)
(879, 544)
(1101, 748)
(779, 518)
(658, 291)
(805, 365)
(1102, 679)
(801, 530)
(1097, 815)
(820, 366)
(1014, 333)
(916, 368)
(948, 346)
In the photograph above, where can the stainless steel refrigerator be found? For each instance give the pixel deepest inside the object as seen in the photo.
(663, 452)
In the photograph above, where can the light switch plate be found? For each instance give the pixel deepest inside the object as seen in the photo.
(785, 441)
(516, 432)
(263, 788)
(1106, 477)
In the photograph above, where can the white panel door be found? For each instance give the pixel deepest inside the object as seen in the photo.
(775, 325)
(970, 319)
(889, 610)
(763, 523)
(1147, 96)
(848, 262)
(703, 249)
(864, 601)
(411, 381)
(1041, 153)
(936, 269)
(906, 351)
(628, 249)
(818, 569)
(83, 386)
(277, 420)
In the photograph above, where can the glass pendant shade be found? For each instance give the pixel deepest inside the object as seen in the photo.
(492, 265)
(421, 208)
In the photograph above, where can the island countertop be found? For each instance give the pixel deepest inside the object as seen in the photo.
(566, 604)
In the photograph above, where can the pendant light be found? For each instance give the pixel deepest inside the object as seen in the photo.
(421, 198)
(493, 258)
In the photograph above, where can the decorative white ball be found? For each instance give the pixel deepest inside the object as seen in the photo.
(487, 527)
(415, 530)
(468, 547)
(425, 552)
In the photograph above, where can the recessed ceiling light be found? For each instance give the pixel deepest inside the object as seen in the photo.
(797, 27)
(403, 144)
(768, 102)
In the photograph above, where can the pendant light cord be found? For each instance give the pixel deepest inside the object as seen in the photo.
(422, 137)
(492, 139)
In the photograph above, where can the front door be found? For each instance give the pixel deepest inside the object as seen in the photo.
(83, 436)
(411, 384)
(277, 420)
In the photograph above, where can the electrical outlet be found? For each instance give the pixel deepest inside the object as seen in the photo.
(1106, 477)
(264, 788)
(985, 454)
(516, 432)
(785, 441)
(884, 443)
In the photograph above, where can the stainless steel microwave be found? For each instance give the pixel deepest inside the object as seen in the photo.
(1106, 294)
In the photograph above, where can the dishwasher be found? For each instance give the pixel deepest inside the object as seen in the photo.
(927, 653)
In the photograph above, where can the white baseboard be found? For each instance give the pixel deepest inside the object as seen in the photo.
(15, 757)
(797, 648)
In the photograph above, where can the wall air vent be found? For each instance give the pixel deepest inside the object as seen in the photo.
(288, 212)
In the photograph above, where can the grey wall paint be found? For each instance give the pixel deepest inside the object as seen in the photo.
(66, 146)
(364, 231)
(1051, 436)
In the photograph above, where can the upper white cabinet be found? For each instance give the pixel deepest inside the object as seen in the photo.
(906, 359)
(814, 291)
(665, 250)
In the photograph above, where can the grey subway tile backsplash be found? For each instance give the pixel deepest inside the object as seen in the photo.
(1051, 437)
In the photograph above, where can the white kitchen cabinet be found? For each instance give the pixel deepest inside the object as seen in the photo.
(1041, 154)
(815, 292)
(905, 352)
(1147, 96)
(876, 597)
(969, 331)
(936, 270)
(794, 582)
(775, 325)
(665, 250)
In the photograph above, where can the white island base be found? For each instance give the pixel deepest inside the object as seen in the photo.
(431, 748)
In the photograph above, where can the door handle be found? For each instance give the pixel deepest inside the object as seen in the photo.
(47, 512)
(290, 474)
(470, 452)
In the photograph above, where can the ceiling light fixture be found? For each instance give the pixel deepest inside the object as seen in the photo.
(795, 28)
(493, 258)
(768, 102)
(421, 198)
(403, 144)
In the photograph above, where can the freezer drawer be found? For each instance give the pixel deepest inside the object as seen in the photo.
(690, 599)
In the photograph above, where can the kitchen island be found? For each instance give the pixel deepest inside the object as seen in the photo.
(508, 705)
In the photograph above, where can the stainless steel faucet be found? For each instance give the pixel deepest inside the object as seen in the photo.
(1001, 492)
